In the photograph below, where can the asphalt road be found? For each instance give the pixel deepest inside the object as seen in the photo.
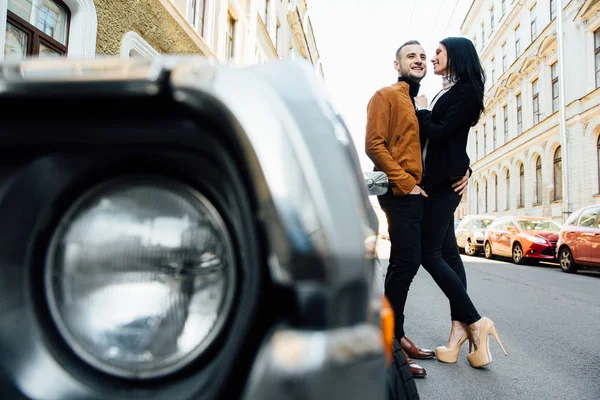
(548, 321)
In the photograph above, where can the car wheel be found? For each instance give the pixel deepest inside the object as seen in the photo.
(488, 251)
(517, 254)
(565, 258)
(470, 249)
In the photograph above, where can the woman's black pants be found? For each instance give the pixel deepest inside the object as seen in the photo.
(439, 252)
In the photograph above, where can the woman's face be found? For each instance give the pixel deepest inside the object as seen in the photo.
(440, 61)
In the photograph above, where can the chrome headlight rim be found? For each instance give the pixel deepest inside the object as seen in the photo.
(226, 311)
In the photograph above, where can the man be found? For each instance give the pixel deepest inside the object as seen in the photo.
(393, 144)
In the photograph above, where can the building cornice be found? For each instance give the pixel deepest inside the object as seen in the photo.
(266, 36)
(544, 45)
(579, 111)
(295, 21)
(587, 10)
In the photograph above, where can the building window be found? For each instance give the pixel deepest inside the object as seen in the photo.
(267, 18)
(493, 70)
(484, 140)
(519, 115)
(538, 180)
(533, 18)
(198, 15)
(495, 193)
(557, 175)
(476, 197)
(482, 35)
(36, 29)
(485, 196)
(504, 58)
(507, 189)
(536, 102)
(477, 146)
(505, 115)
(597, 52)
(494, 134)
(518, 41)
(230, 36)
(521, 186)
(598, 159)
(503, 8)
(554, 72)
(491, 19)
(552, 9)
(278, 38)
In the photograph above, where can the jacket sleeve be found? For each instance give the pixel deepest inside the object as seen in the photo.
(378, 125)
(460, 113)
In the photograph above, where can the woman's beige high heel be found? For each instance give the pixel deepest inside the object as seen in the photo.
(482, 355)
(450, 354)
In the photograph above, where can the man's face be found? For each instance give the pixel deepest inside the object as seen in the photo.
(412, 63)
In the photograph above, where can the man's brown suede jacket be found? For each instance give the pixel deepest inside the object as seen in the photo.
(392, 138)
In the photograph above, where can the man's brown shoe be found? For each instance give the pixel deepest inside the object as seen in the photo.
(415, 369)
(414, 351)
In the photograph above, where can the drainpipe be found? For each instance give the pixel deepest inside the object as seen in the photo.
(562, 111)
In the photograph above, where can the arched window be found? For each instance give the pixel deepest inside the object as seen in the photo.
(495, 192)
(521, 186)
(507, 189)
(598, 159)
(36, 28)
(539, 198)
(485, 197)
(476, 197)
(557, 175)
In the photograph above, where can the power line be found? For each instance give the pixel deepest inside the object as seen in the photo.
(412, 14)
(451, 16)
(436, 20)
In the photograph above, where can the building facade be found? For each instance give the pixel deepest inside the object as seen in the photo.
(516, 149)
(236, 31)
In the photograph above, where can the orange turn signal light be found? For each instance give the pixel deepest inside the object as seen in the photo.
(387, 328)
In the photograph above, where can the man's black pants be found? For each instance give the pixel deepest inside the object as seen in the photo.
(404, 215)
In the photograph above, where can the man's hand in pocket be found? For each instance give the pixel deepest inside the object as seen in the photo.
(418, 191)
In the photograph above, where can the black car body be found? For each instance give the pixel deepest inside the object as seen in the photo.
(178, 229)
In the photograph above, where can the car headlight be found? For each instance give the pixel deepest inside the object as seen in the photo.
(536, 239)
(140, 277)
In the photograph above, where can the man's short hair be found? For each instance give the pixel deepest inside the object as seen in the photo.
(405, 44)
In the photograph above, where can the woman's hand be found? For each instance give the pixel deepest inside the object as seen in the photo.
(421, 101)
(460, 187)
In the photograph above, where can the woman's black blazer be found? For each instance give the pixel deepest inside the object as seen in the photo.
(447, 128)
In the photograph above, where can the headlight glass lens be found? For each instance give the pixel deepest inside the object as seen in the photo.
(140, 277)
(536, 239)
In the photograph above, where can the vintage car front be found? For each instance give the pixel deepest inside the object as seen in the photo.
(180, 229)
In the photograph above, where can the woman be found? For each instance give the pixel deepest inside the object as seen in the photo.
(444, 132)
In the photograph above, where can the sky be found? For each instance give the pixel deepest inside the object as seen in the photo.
(357, 41)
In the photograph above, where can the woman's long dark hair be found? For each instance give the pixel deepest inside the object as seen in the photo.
(464, 65)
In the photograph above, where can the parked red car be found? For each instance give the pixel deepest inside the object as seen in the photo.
(522, 238)
(579, 241)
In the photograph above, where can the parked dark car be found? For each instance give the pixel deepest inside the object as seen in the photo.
(578, 244)
(470, 233)
(177, 229)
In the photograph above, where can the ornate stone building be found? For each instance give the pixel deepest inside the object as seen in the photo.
(516, 149)
(237, 31)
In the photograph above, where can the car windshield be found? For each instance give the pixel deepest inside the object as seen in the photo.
(538, 225)
(481, 223)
